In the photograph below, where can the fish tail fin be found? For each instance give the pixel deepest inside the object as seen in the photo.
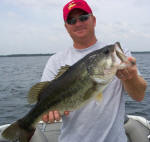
(15, 132)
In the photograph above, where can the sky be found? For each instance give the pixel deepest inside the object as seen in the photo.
(37, 26)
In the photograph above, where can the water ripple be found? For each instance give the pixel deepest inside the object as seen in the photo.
(18, 74)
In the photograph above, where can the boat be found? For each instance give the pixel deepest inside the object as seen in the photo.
(137, 129)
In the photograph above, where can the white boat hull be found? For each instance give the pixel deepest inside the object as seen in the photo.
(137, 130)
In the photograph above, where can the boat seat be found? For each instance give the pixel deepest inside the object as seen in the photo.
(136, 132)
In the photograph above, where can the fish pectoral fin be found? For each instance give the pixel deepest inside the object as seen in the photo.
(99, 97)
(62, 70)
(35, 91)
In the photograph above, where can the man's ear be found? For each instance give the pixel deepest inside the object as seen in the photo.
(94, 18)
(66, 26)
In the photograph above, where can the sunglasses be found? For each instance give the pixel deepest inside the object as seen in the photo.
(81, 18)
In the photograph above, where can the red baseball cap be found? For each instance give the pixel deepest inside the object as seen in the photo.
(75, 4)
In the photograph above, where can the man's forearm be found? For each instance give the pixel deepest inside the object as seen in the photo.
(135, 87)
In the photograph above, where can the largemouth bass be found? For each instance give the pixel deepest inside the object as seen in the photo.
(73, 88)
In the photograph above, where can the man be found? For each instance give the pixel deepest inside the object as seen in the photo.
(96, 122)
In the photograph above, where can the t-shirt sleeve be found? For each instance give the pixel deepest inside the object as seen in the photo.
(51, 69)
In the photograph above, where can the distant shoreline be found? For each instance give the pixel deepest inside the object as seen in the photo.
(29, 55)
(141, 52)
(25, 55)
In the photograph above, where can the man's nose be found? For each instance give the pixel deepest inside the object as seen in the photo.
(78, 22)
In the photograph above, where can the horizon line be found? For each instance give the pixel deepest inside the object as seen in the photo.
(47, 54)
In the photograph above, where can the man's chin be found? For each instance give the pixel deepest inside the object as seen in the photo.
(80, 34)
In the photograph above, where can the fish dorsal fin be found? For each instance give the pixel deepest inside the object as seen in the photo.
(35, 91)
(62, 70)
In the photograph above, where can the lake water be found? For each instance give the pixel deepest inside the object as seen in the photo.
(18, 74)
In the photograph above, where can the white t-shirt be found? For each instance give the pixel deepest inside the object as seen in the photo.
(98, 121)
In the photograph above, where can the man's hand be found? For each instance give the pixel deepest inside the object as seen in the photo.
(53, 116)
(134, 84)
(129, 72)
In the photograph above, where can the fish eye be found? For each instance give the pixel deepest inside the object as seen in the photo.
(106, 51)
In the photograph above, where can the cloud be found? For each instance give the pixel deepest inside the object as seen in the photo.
(20, 37)
(37, 25)
(33, 3)
(143, 3)
(135, 38)
(12, 14)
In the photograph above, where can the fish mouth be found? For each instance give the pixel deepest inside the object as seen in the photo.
(120, 53)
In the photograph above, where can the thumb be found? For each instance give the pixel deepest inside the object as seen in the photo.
(132, 60)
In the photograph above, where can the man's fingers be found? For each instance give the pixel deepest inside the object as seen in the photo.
(45, 118)
(57, 116)
(51, 116)
(132, 60)
(125, 73)
(54, 115)
(66, 113)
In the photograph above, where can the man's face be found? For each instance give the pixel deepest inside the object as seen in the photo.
(81, 29)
